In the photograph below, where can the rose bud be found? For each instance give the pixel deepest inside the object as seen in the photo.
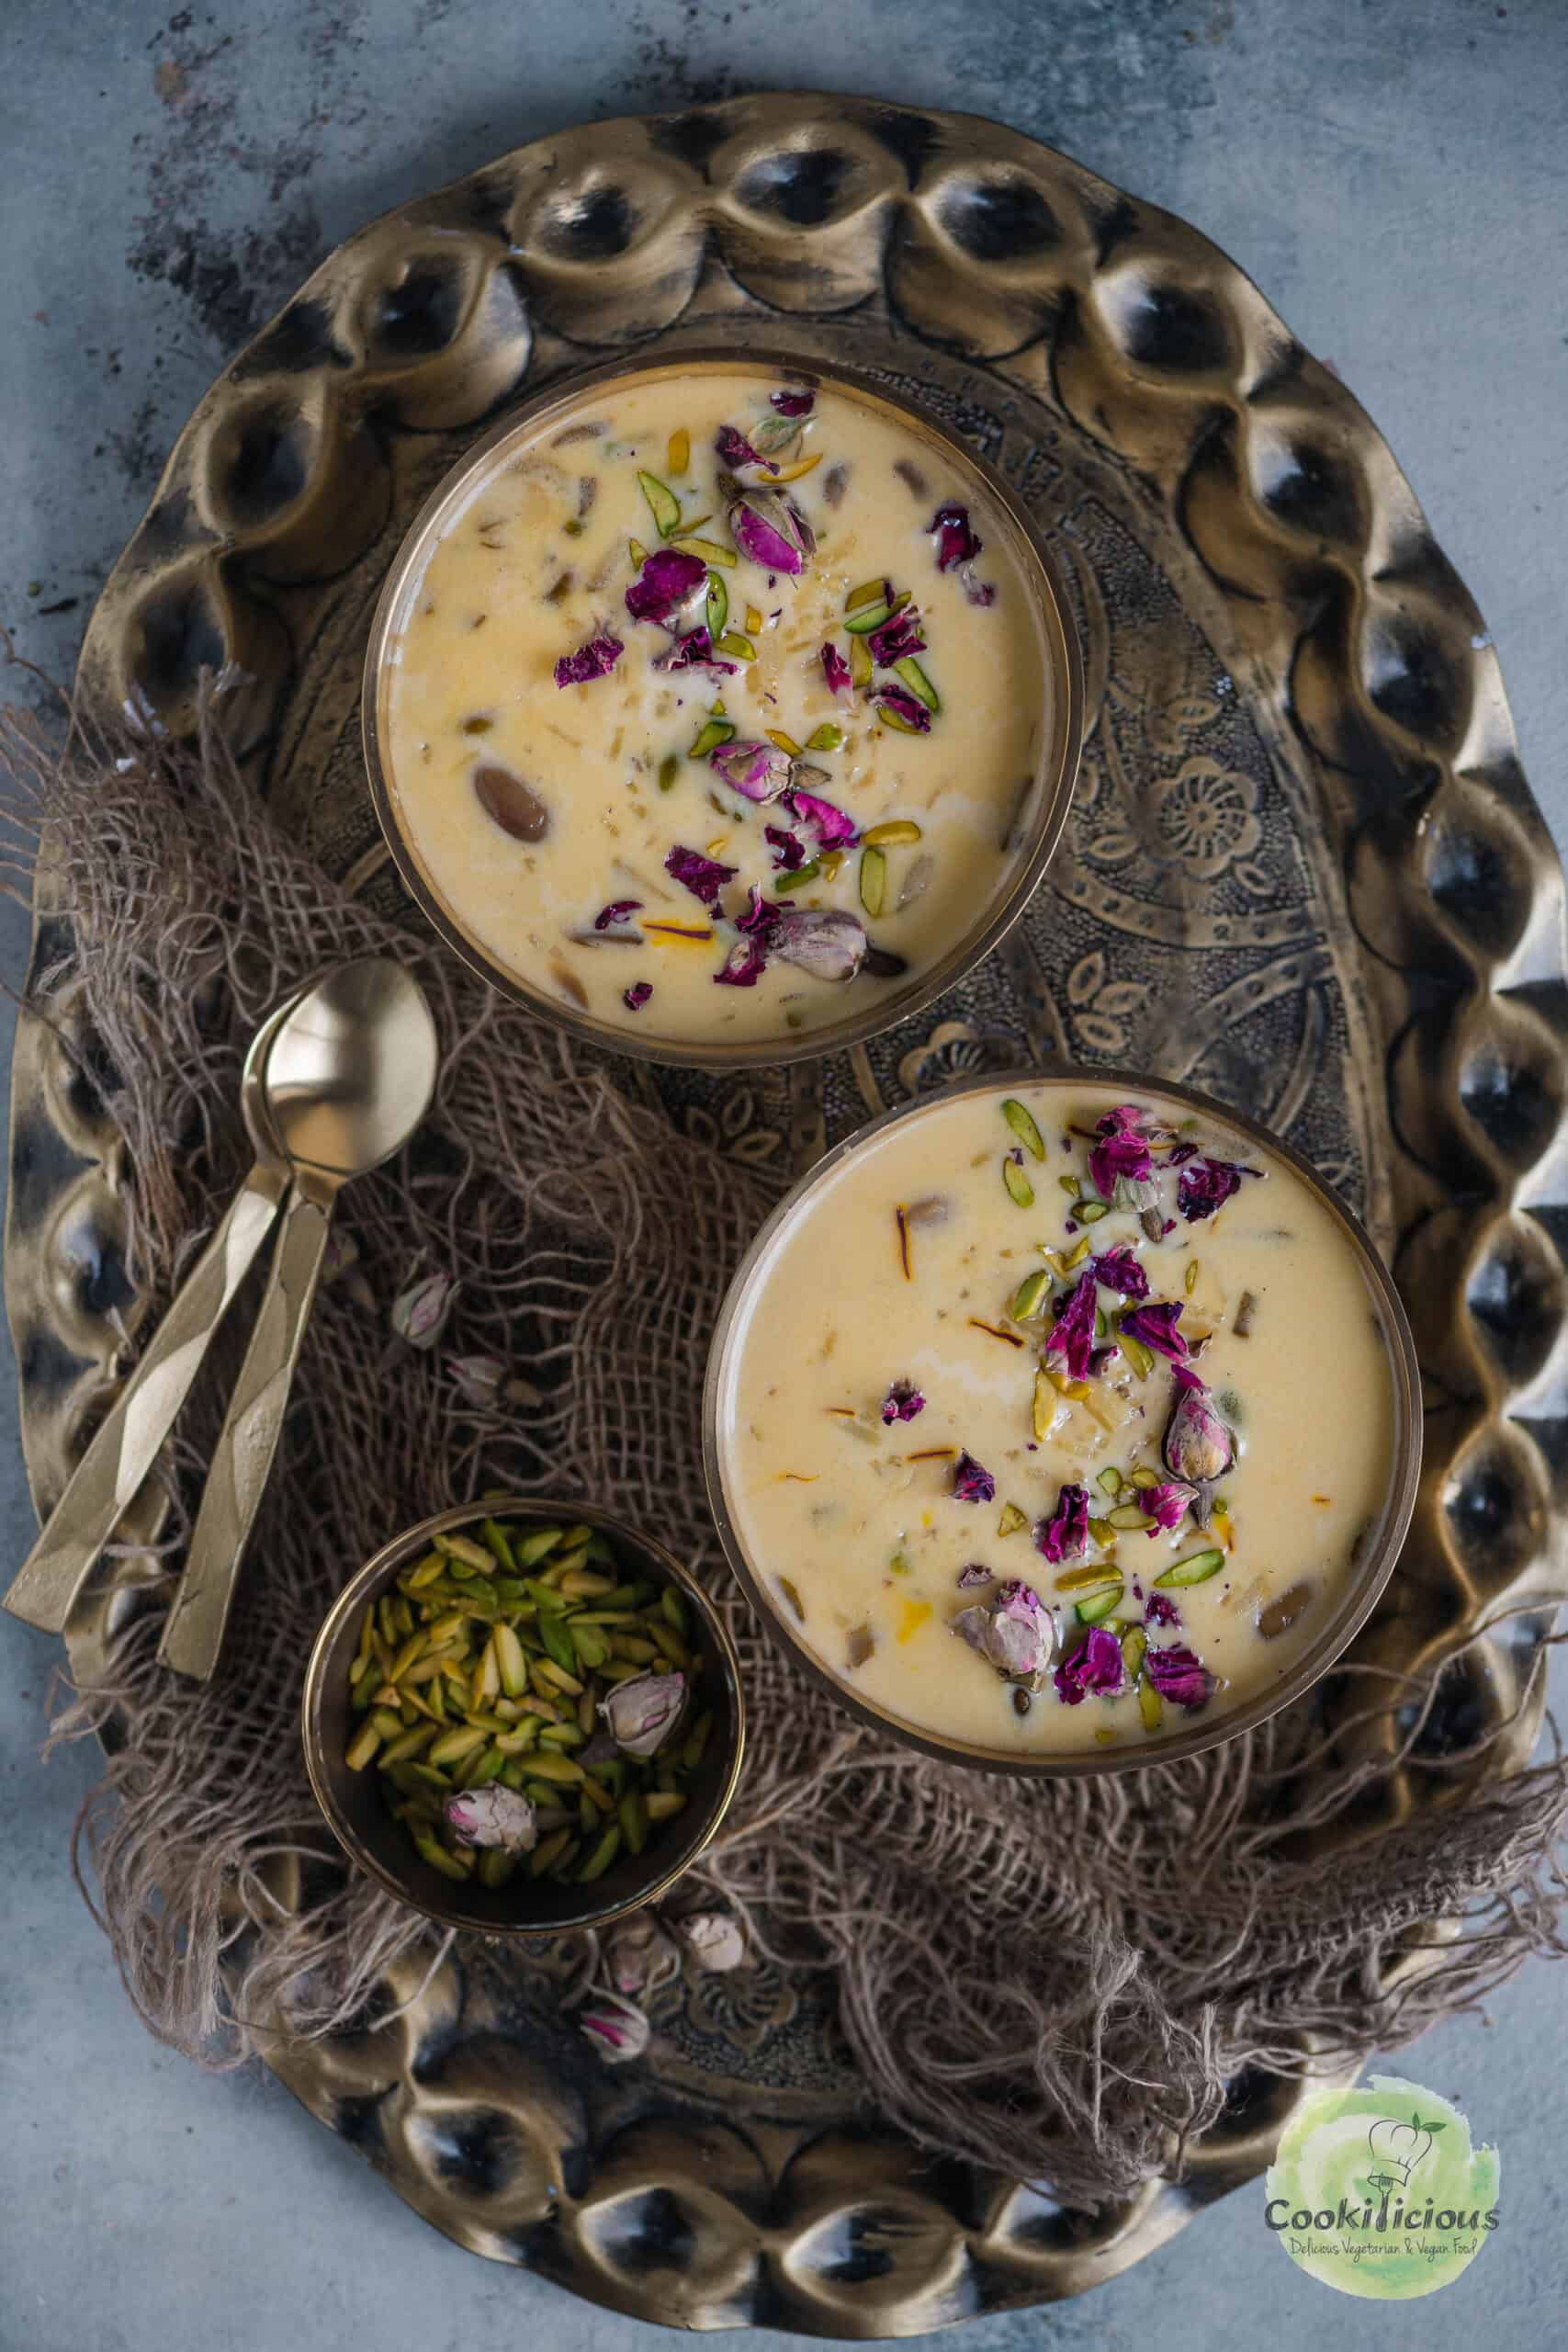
(617, 2029)
(1013, 1631)
(769, 527)
(715, 1940)
(1198, 1446)
(493, 1817)
(642, 1713)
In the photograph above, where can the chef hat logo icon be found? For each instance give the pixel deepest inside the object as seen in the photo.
(1397, 2148)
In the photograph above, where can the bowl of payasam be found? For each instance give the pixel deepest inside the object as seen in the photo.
(1063, 1424)
(725, 711)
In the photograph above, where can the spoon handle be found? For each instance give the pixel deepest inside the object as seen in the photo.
(104, 1482)
(236, 1480)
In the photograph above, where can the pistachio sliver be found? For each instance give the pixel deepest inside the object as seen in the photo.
(860, 663)
(705, 550)
(1196, 1569)
(894, 834)
(869, 616)
(678, 457)
(1096, 1605)
(669, 769)
(740, 647)
(1011, 1519)
(1045, 1406)
(870, 592)
(1129, 1515)
(872, 880)
(1017, 1183)
(1134, 1642)
(709, 736)
(826, 737)
(798, 880)
(919, 685)
(785, 743)
(1110, 1482)
(1090, 1211)
(718, 608)
(1150, 1706)
(662, 503)
(1024, 1126)
(1029, 1297)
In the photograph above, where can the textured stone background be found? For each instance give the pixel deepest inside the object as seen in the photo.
(1392, 176)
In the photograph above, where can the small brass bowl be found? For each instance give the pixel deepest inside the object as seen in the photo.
(1043, 807)
(355, 1804)
(1361, 1594)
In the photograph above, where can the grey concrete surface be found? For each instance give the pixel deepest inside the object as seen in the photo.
(1395, 177)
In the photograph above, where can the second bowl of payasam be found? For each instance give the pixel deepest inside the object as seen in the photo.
(1063, 1424)
(726, 710)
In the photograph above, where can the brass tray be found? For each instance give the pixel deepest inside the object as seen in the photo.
(1303, 871)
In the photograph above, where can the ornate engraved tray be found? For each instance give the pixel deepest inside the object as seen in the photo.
(1304, 871)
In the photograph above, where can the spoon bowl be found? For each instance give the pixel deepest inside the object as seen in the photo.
(349, 1069)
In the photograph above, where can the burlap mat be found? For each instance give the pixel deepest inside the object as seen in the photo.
(1060, 1979)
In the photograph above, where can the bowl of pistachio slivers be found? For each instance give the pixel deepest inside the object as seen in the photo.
(523, 1717)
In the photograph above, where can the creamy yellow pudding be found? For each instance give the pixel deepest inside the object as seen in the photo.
(715, 709)
(1052, 1419)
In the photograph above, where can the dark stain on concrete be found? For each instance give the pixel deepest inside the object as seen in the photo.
(677, 58)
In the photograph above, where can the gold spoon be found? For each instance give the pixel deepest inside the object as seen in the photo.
(101, 1488)
(347, 1078)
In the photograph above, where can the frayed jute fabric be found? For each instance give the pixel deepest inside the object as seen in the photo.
(1057, 1978)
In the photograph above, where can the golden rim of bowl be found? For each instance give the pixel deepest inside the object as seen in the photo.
(1360, 1599)
(369, 1581)
(1050, 789)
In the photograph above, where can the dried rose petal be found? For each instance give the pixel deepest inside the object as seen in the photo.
(735, 451)
(492, 1816)
(1065, 1535)
(770, 529)
(1013, 1631)
(793, 403)
(1121, 1269)
(484, 1382)
(616, 911)
(617, 2029)
(704, 876)
(905, 706)
(762, 915)
(694, 651)
(897, 638)
(636, 996)
(833, 827)
(902, 1402)
(642, 1713)
(836, 670)
(1072, 1335)
(972, 1483)
(1205, 1185)
(758, 771)
(595, 660)
(830, 945)
(715, 1941)
(1096, 1665)
(640, 1956)
(420, 1313)
(1167, 1504)
(1198, 1447)
(956, 542)
(1160, 1609)
(668, 583)
(1155, 1327)
(1123, 1150)
(789, 849)
(1178, 1676)
(974, 1574)
(744, 966)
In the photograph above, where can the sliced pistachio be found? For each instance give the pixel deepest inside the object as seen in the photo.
(1044, 1406)
(1110, 1482)
(1031, 1295)
(872, 880)
(1017, 1183)
(706, 551)
(1103, 1533)
(678, 457)
(870, 592)
(1023, 1127)
(1011, 1519)
(662, 504)
(1150, 1706)
(1129, 1515)
(860, 663)
(1134, 1642)
(893, 834)
(1196, 1569)
(1090, 1211)
(1139, 1356)
(709, 736)
(869, 616)
(638, 553)
(785, 883)
(1189, 1279)
(718, 608)
(740, 647)
(1070, 1186)
(915, 678)
(1096, 1605)
(826, 737)
(1094, 1579)
(1144, 1478)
